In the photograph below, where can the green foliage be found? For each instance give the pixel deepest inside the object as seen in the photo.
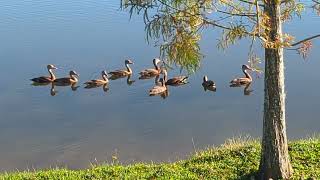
(230, 37)
(176, 25)
(234, 160)
(291, 8)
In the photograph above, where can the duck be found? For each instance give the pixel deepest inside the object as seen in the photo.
(208, 84)
(122, 72)
(45, 79)
(175, 81)
(243, 80)
(149, 73)
(98, 82)
(158, 89)
(73, 79)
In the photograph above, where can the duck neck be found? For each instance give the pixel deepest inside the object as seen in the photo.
(128, 68)
(105, 78)
(247, 74)
(52, 76)
(164, 83)
(205, 79)
(156, 66)
(165, 76)
(156, 80)
(73, 77)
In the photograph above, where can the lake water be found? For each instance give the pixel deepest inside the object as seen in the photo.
(75, 128)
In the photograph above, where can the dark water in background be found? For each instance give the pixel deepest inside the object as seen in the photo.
(74, 128)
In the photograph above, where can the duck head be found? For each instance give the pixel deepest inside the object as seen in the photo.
(51, 66)
(73, 73)
(205, 78)
(246, 67)
(156, 61)
(104, 74)
(128, 61)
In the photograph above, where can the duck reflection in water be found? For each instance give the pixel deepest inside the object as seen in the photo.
(105, 87)
(53, 90)
(129, 81)
(246, 90)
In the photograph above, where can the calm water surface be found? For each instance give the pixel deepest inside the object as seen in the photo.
(74, 128)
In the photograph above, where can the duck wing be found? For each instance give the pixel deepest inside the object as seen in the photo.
(149, 72)
(157, 90)
(63, 81)
(179, 80)
(95, 81)
(121, 72)
(42, 79)
(240, 81)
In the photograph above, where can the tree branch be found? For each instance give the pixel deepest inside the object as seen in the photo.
(213, 23)
(304, 40)
(317, 2)
(252, 3)
(258, 17)
(236, 14)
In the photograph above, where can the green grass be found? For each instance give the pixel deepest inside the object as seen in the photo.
(233, 160)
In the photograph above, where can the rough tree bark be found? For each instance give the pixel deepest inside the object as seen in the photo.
(275, 162)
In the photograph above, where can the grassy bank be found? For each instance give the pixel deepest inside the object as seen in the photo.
(233, 160)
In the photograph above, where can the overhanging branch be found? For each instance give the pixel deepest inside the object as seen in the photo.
(304, 40)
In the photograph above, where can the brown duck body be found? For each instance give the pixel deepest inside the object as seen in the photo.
(175, 81)
(152, 72)
(46, 79)
(158, 89)
(243, 80)
(122, 72)
(208, 84)
(98, 82)
(67, 80)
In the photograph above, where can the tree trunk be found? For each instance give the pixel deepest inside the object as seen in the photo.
(275, 162)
